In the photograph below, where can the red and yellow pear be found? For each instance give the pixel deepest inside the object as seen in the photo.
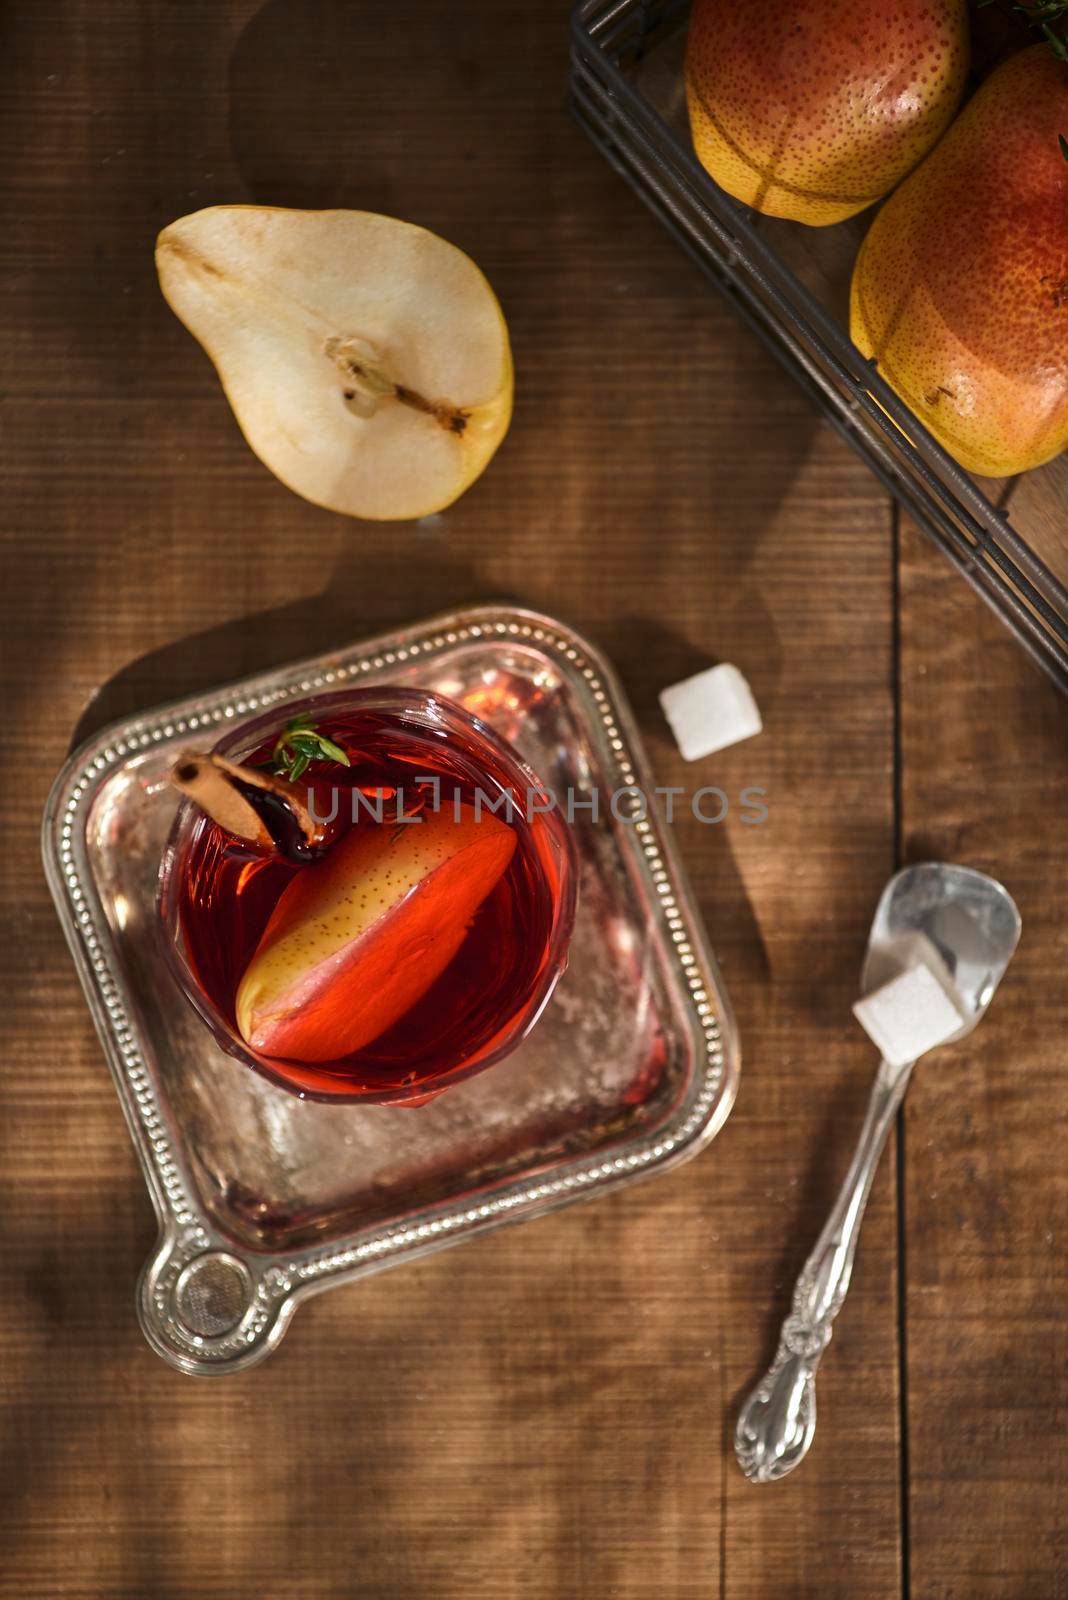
(960, 290)
(357, 939)
(817, 109)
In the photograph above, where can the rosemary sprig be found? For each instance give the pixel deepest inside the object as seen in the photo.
(299, 744)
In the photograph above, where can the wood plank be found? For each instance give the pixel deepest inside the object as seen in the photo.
(545, 1414)
(985, 1187)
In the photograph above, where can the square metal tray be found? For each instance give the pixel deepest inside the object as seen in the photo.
(790, 283)
(264, 1199)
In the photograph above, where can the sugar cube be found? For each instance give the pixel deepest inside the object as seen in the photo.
(710, 711)
(909, 1015)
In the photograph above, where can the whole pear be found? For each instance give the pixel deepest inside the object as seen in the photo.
(817, 109)
(960, 289)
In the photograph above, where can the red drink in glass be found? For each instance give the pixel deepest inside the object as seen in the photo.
(410, 755)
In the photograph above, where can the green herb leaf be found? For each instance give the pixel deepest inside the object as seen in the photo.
(299, 744)
(1055, 42)
(332, 751)
(1039, 17)
(1048, 11)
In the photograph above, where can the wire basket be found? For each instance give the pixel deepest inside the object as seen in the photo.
(790, 283)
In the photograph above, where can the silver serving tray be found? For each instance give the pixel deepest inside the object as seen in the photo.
(264, 1199)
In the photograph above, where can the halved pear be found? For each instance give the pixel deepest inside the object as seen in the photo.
(366, 360)
(357, 939)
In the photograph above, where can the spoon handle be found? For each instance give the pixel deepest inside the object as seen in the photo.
(778, 1420)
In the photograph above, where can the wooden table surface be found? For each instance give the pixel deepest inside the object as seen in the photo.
(545, 1414)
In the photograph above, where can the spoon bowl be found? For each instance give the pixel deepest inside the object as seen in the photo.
(966, 921)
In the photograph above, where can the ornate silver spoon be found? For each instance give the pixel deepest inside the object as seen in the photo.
(969, 924)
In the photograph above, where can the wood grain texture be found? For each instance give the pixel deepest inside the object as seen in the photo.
(546, 1414)
(985, 1186)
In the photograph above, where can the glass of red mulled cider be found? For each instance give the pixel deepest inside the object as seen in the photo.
(367, 895)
